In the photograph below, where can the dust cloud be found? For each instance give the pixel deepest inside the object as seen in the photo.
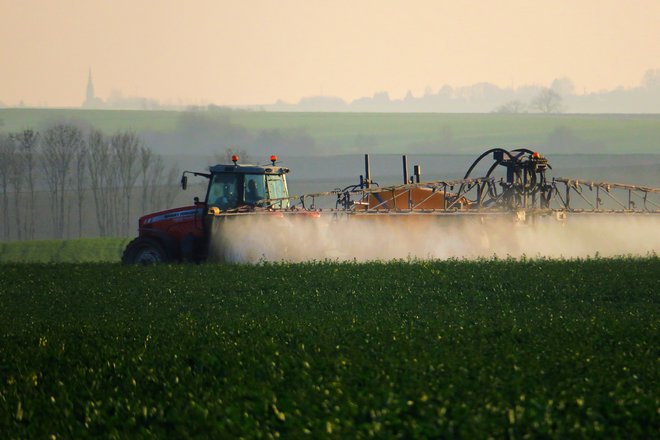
(295, 238)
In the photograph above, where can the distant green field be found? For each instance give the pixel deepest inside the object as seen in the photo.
(86, 250)
(443, 349)
(424, 132)
(105, 120)
(342, 133)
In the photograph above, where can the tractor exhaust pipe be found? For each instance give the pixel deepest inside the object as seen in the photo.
(367, 172)
(405, 169)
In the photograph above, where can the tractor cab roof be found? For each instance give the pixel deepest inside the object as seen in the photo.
(248, 169)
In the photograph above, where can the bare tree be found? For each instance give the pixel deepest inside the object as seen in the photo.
(651, 79)
(564, 86)
(16, 180)
(6, 158)
(547, 101)
(60, 145)
(103, 182)
(155, 182)
(80, 177)
(171, 186)
(243, 155)
(146, 163)
(27, 142)
(97, 162)
(126, 146)
(511, 107)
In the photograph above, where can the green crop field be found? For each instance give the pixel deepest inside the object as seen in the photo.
(493, 348)
(342, 133)
(85, 250)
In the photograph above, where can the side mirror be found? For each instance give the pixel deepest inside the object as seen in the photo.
(184, 182)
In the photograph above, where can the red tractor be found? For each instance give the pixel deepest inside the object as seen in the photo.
(183, 234)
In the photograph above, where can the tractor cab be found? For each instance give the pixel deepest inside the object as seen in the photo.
(237, 186)
(233, 186)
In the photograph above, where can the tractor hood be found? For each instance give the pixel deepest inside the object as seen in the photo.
(176, 215)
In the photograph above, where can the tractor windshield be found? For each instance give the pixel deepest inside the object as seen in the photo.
(223, 191)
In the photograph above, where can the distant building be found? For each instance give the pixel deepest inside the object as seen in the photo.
(91, 101)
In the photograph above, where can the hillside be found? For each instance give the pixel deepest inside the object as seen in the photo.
(211, 132)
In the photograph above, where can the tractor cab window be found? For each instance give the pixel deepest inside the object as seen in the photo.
(223, 191)
(254, 188)
(277, 189)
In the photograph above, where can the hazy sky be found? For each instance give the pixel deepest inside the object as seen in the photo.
(255, 52)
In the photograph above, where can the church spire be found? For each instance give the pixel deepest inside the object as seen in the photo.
(90, 88)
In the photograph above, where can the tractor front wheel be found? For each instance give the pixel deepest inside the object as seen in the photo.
(144, 250)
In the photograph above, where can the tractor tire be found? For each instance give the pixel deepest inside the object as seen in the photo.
(144, 250)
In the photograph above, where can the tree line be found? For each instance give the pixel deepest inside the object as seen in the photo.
(76, 169)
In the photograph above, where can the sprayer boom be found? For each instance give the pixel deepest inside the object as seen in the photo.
(515, 181)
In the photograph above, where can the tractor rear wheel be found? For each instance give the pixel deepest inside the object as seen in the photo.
(144, 250)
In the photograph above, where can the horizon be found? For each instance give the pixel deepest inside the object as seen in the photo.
(381, 102)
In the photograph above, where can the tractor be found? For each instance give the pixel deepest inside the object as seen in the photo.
(183, 234)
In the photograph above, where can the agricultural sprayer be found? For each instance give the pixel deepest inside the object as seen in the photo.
(515, 187)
